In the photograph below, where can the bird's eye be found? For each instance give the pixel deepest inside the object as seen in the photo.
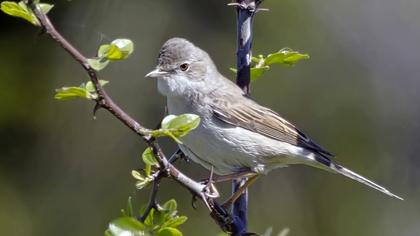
(184, 66)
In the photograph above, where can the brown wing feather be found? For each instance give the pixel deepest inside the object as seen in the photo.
(253, 117)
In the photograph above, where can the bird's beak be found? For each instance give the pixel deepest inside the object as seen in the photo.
(155, 73)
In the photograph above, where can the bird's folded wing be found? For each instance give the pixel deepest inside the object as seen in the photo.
(259, 119)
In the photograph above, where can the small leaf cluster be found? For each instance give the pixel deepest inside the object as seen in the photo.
(177, 126)
(162, 221)
(171, 126)
(150, 161)
(21, 10)
(261, 64)
(119, 49)
(85, 91)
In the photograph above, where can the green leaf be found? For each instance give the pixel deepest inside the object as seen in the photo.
(119, 49)
(150, 218)
(103, 50)
(149, 157)
(175, 221)
(168, 231)
(149, 160)
(142, 184)
(125, 48)
(142, 181)
(177, 126)
(108, 233)
(98, 63)
(284, 232)
(137, 175)
(170, 206)
(142, 209)
(67, 93)
(147, 169)
(129, 209)
(86, 91)
(223, 234)
(90, 88)
(257, 59)
(114, 53)
(126, 226)
(45, 8)
(257, 72)
(285, 56)
(20, 10)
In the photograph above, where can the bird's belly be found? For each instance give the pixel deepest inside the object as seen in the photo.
(211, 149)
(234, 149)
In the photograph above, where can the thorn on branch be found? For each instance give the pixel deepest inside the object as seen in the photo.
(205, 200)
(250, 5)
(42, 31)
(244, 6)
(259, 9)
(95, 109)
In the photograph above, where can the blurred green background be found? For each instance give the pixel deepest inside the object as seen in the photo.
(63, 173)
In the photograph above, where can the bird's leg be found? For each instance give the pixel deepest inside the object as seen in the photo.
(238, 193)
(229, 177)
(177, 155)
(211, 189)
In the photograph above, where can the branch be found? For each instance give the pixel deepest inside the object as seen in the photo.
(246, 10)
(104, 101)
(152, 201)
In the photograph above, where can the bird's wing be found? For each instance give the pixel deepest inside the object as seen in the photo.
(251, 116)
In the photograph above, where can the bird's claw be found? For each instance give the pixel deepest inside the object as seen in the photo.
(210, 189)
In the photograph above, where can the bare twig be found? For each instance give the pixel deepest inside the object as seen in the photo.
(152, 200)
(105, 101)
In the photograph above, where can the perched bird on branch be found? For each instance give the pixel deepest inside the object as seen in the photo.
(237, 137)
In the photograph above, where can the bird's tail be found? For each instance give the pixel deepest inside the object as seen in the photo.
(336, 168)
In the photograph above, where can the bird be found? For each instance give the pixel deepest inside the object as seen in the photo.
(237, 137)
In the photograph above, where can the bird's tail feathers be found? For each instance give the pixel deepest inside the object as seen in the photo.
(336, 168)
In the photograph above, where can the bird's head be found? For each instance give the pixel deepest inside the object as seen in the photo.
(183, 68)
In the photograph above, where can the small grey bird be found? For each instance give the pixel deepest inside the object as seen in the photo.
(237, 136)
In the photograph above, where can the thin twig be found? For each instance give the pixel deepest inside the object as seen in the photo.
(152, 200)
(157, 177)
